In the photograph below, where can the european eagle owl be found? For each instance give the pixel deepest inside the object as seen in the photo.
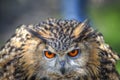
(57, 50)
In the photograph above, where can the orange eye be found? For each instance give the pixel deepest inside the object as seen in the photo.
(73, 53)
(49, 54)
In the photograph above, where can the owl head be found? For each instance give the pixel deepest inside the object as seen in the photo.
(68, 48)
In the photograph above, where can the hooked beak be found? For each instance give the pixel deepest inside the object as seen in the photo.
(62, 69)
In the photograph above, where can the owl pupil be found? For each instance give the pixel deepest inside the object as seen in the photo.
(49, 53)
(73, 51)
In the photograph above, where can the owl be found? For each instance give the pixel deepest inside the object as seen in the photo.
(57, 50)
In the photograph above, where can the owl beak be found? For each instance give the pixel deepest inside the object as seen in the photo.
(62, 69)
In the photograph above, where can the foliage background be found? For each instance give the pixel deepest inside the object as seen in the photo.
(106, 16)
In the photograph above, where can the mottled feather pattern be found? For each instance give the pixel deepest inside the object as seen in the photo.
(22, 58)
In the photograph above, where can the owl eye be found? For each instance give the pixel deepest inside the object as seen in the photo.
(73, 53)
(49, 54)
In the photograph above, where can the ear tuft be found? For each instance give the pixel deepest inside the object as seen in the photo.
(36, 34)
(80, 28)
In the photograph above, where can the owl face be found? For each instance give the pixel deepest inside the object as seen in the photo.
(67, 49)
(64, 62)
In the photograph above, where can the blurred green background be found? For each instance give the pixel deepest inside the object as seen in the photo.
(104, 15)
